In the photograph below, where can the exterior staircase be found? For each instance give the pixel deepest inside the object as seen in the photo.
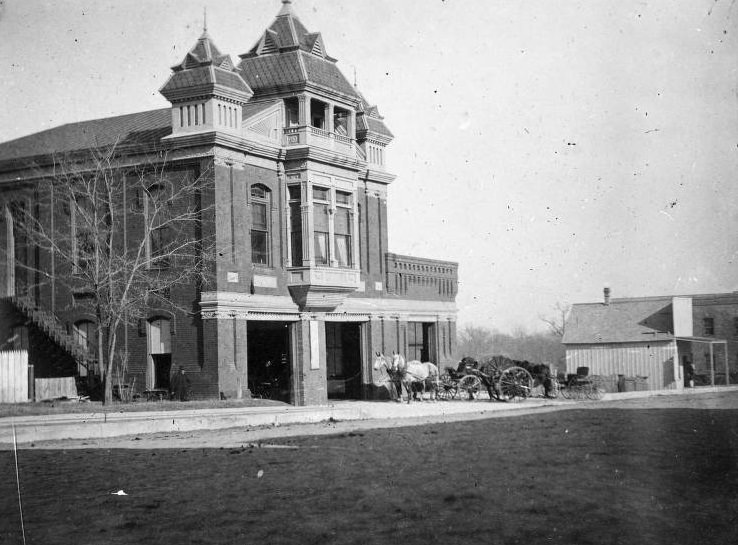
(48, 323)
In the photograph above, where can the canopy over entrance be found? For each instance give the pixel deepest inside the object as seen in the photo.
(712, 343)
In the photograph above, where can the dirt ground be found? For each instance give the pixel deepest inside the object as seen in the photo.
(237, 437)
(646, 471)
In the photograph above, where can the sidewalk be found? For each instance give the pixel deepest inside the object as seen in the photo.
(31, 429)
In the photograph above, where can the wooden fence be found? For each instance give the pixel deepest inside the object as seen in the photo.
(55, 388)
(14, 376)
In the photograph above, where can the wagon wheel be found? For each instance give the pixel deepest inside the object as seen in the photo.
(447, 387)
(514, 382)
(470, 384)
(595, 388)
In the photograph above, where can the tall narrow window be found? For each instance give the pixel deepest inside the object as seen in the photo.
(342, 229)
(295, 225)
(83, 240)
(160, 236)
(220, 114)
(320, 226)
(181, 116)
(260, 224)
(202, 109)
(197, 114)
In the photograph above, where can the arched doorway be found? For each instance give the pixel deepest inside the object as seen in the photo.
(159, 335)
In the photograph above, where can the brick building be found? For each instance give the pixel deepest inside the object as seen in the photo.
(304, 290)
(657, 338)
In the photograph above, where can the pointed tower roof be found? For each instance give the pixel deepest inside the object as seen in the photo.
(205, 70)
(287, 55)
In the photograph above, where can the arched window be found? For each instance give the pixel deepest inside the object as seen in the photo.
(260, 224)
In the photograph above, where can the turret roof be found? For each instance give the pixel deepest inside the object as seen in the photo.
(205, 65)
(288, 55)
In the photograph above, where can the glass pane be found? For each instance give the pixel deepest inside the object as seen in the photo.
(296, 249)
(320, 217)
(321, 248)
(295, 192)
(342, 221)
(258, 192)
(259, 247)
(343, 198)
(259, 216)
(343, 250)
(320, 194)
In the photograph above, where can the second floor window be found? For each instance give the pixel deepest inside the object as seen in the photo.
(342, 229)
(160, 238)
(708, 326)
(321, 229)
(260, 224)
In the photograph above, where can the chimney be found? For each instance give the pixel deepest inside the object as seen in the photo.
(606, 292)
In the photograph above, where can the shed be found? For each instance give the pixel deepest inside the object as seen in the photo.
(636, 337)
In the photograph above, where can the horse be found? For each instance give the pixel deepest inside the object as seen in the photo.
(409, 373)
(388, 377)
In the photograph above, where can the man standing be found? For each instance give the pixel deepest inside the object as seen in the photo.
(180, 385)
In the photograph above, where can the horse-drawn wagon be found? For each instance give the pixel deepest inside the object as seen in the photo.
(502, 379)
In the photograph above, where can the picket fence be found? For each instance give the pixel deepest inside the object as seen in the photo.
(14, 376)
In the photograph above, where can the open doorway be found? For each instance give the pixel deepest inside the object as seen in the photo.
(160, 354)
(269, 361)
(343, 359)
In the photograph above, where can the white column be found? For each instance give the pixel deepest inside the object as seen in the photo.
(329, 112)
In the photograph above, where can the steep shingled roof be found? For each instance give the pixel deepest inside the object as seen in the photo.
(204, 65)
(139, 128)
(288, 55)
(368, 119)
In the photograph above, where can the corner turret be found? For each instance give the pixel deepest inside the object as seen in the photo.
(206, 91)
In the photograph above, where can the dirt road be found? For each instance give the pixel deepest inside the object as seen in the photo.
(237, 437)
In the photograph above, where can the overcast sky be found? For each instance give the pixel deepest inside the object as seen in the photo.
(550, 147)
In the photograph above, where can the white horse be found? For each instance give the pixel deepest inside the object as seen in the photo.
(409, 373)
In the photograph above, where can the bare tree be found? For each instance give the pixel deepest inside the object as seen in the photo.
(128, 233)
(557, 323)
(475, 341)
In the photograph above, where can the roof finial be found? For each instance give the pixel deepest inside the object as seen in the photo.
(286, 8)
(205, 19)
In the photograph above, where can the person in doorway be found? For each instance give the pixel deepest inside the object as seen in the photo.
(689, 371)
(180, 385)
